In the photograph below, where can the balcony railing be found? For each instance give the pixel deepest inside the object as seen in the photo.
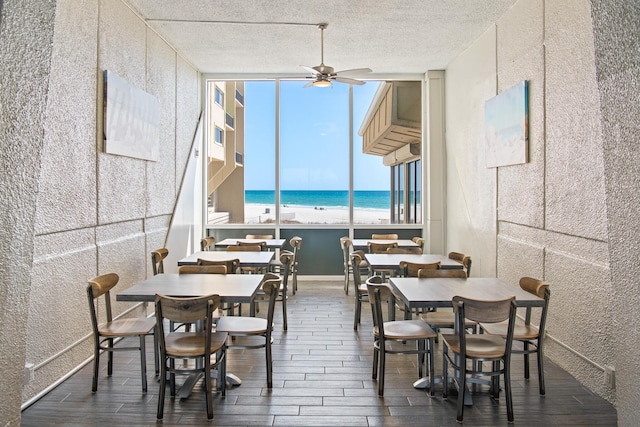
(229, 121)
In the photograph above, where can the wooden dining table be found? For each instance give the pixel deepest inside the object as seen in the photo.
(269, 243)
(247, 258)
(232, 288)
(439, 292)
(392, 261)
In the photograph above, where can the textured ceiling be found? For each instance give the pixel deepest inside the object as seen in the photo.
(274, 38)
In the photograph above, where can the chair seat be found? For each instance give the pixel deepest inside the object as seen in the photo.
(406, 329)
(520, 332)
(191, 344)
(443, 319)
(363, 289)
(242, 325)
(126, 327)
(478, 346)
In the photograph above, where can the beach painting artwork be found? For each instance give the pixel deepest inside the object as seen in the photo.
(507, 127)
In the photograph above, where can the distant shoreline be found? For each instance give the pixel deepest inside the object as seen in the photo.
(258, 213)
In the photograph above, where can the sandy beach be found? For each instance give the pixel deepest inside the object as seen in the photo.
(294, 214)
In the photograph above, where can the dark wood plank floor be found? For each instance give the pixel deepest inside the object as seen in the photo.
(322, 377)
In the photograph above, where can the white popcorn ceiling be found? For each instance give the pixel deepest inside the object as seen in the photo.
(275, 37)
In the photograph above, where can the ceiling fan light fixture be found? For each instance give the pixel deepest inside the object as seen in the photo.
(322, 83)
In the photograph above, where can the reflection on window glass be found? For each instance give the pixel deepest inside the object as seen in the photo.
(314, 154)
(371, 185)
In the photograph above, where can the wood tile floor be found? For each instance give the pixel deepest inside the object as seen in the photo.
(322, 377)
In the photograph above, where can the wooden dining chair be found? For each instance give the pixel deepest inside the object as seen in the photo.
(381, 248)
(410, 269)
(244, 328)
(405, 250)
(531, 337)
(202, 269)
(391, 337)
(157, 260)
(296, 245)
(286, 260)
(462, 259)
(461, 347)
(231, 266)
(345, 245)
(198, 346)
(207, 244)
(391, 236)
(419, 241)
(262, 244)
(104, 333)
(442, 318)
(360, 292)
(259, 236)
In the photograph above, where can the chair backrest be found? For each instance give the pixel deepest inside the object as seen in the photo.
(259, 236)
(286, 258)
(541, 290)
(391, 236)
(419, 241)
(345, 245)
(462, 259)
(356, 258)
(186, 310)
(244, 248)
(296, 244)
(405, 250)
(379, 293)
(96, 288)
(485, 312)
(410, 269)
(457, 273)
(271, 288)
(380, 248)
(232, 265)
(202, 269)
(261, 245)
(157, 258)
(207, 243)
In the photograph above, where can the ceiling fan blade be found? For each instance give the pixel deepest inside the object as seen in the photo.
(309, 84)
(311, 70)
(353, 72)
(347, 80)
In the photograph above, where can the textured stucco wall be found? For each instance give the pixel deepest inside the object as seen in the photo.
(26, 34)
(96, 213)
(616, 31)
(551, 211)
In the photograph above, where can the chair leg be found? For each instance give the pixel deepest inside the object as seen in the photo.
(110, 357)
(421, 355)
(432, 371)
(163, 387)
(222, 371)
(445, 373)
(284, 311)
(356, 316)
(381, 368)
(540, 368)
(207, 388)
(507, 391)
(462, 389)
(269, 359)
(374, 373)
(156, 355)
(143, 363)
(526, 359)
(96, 367)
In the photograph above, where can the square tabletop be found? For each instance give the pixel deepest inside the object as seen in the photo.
(402, 243)
(438, 292)
(232, 288)
(270, 243)
(247, 259)
(391, 261)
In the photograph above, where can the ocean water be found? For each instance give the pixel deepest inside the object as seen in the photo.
(361, 199)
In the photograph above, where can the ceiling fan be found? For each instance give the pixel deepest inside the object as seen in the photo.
(323, 75)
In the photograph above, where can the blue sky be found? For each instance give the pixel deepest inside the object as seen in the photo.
(314, 132)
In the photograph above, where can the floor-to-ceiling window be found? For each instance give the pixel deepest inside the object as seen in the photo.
(302, 160)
